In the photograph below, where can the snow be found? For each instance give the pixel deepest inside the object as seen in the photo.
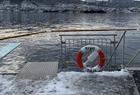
(10, 85)
(123, 72)
(71, 83)
(66, 82)
(61, 83)
(5, 82)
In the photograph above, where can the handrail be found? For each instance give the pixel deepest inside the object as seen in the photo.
(113, 34)
(91, 29)
(132, 59)
(116, 48)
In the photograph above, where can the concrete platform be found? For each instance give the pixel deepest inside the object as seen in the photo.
(98, 83)
(72, 83)
(39, 70)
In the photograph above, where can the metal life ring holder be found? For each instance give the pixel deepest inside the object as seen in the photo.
(95, 52)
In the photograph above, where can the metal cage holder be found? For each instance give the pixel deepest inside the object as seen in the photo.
(70, 44)
(113, 45)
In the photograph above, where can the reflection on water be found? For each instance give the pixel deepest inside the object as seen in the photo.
(29, 18)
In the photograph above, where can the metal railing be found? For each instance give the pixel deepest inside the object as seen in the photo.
(113, 41)
(133, 58)
(70, 44)
(123, 53)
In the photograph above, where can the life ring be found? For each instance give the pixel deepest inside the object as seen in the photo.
(95, 52)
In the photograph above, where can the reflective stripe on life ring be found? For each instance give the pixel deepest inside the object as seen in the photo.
(95, 52)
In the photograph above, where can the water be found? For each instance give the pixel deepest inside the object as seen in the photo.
(31, 18)
(131, 20)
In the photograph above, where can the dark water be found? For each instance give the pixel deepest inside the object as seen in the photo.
(31, 18)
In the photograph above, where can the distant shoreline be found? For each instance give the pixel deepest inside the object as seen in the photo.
(109, 10)
(78, 8)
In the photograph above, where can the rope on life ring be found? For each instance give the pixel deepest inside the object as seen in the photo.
(95, 52)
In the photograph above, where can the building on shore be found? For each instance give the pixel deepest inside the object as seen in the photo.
(6, 5)
(136, 3)
(99, 3)
(121, 3)
(28, 5)
(114, 3)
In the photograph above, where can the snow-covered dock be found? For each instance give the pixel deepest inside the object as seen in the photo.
(41, 48)
(72, 83)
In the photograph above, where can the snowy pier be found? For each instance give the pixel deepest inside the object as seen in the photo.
(100, 83)
(72, 83)
(40, 48)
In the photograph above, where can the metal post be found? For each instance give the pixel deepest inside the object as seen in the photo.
(61, 48)
(114, 48)
(123, 52)
(132, 59)
(65, 63)
(0, 61)
(60, 60)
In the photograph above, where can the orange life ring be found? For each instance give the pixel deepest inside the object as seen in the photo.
(96, 52)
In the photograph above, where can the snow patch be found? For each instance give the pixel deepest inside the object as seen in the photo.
(65, 82)
(5, 82)
(62, 84)
(123, 72)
